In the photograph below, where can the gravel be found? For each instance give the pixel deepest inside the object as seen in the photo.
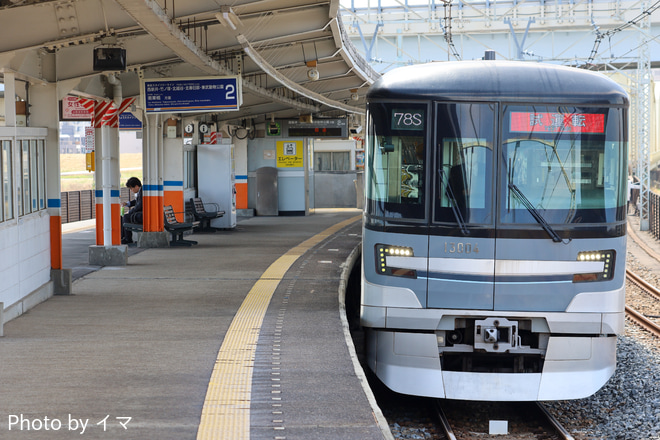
(628, 406)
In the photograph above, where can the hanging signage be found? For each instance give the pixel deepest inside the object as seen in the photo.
(318, 128)
(128, 121)
(544, 122)
(209, 94)
(72, 110)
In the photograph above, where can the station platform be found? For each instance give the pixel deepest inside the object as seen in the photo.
(239, 337)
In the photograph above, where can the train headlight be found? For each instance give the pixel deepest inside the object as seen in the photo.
(385, 252)
(604, 262)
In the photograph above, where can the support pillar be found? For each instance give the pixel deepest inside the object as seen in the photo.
(44, 112)
(154, 234)
(108, 251)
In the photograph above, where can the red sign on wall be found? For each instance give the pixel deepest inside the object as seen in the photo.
(73, 110)
(544, 122)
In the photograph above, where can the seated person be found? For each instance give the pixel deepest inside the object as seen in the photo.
(134, 215)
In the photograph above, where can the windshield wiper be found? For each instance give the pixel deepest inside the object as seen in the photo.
(454, 204)
(535, 213)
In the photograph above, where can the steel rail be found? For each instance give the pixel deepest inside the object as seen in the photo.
(632, 276)
(643, 321)
(449, 433)
(563, 432)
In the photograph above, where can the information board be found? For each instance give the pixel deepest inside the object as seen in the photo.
(180, 95)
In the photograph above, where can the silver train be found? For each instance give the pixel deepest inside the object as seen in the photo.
(494, 237)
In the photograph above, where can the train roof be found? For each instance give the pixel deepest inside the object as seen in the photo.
(499, 80)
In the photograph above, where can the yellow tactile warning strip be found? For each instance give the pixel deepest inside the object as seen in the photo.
(226, 411)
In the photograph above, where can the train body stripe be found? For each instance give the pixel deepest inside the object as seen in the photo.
(499, 268)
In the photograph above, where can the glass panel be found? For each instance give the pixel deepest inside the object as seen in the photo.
(41, 152)
(465, 163)
(323, 161)
(25, 167)
(340, 160)
(34, 176)
(7, 181)
(564, 164)
(396, 160)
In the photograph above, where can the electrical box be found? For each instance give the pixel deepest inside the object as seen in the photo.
(89, 162)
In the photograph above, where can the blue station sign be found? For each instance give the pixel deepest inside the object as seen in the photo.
(212, 94)
(128, 121)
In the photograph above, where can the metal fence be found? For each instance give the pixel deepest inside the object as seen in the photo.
(81, 205)
(654, 214)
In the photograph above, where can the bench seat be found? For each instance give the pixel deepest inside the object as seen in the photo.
(176, 228)
(203, 215)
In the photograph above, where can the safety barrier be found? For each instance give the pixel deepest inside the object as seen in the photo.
(654, 214)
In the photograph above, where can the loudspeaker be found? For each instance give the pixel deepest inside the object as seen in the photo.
(109, 58)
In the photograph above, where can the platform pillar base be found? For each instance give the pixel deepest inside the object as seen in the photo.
(108, 256)
(153, 239)
(62, 281)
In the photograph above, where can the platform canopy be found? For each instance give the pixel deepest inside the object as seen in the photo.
(293, 56)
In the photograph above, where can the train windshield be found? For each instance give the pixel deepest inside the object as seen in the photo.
(396, 173)
(465, 163)
(559, 163)
(496, 164)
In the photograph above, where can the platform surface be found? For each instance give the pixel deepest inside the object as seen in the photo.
(144, 351)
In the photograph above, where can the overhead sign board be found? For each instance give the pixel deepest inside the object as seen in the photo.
(319, 128)
(128, 121)
(181, 95)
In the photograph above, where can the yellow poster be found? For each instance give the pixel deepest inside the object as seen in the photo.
(290, 154)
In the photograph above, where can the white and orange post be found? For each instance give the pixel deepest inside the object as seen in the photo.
(105, 121)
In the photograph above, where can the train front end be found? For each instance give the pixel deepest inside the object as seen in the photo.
(494, 238)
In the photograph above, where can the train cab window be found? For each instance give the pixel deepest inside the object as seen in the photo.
(563, 162)
(465, 163)
(396, 151)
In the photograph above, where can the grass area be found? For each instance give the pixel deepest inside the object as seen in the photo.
(83, 180)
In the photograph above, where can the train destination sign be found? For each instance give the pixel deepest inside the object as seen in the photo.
(181, 95)
(546, 122)
(407, 119)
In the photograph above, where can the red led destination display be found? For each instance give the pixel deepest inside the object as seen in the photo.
(526, 122)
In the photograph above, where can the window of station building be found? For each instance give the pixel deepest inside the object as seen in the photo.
(32, 195)
(41, 169)
(7, 189)
(332, 161)
(24, 191)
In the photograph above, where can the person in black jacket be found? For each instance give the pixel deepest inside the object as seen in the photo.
(134, 215)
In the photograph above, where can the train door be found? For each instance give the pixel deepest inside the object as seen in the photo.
(461, 241)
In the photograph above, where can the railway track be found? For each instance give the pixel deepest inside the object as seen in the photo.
(541, 416)
(636, 316)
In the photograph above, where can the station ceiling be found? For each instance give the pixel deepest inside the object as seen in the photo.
(293, 56)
